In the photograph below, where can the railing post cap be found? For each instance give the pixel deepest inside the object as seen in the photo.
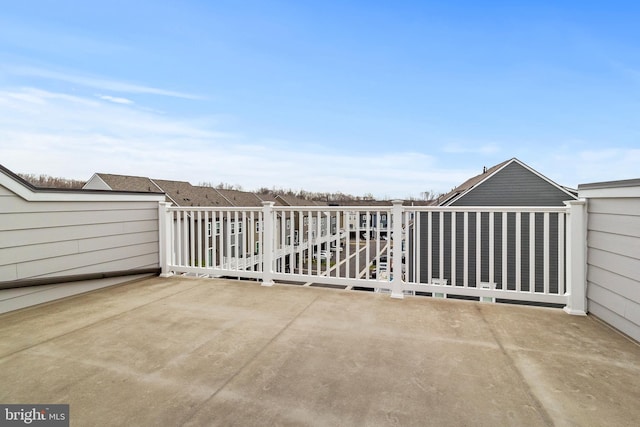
(397, 202)
(268, 203)
(578, 202)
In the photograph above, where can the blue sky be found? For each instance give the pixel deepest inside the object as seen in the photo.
(388, 98)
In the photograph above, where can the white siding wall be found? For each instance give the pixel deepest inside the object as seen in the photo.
(613, 255)
(47, 238)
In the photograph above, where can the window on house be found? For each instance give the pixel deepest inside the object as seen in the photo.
(306, 220)
(209, 229)
(217, 228)
(233, 228)
(257, 226)
(239, 227)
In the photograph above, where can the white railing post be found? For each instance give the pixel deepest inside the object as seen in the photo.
(396, 250)
(576, 289)
(267, 244)
(164, 239)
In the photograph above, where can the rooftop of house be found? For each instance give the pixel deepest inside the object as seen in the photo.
(474, 181)
(186, 351)
(471, 182)
(129, 183)
(289, 200)
(241, 198)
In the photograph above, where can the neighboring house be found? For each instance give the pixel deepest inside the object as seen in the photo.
(234, 235)
(298, 231)
(355, 220)
(508, 184)
(226, 231)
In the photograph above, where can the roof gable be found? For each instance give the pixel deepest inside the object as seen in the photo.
(510, 183)
(126, 183)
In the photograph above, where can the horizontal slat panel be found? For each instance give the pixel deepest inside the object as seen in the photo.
(619, 322)
(628, 246)
(136, 262)
(60, 219)
(8, 272)
(606, 298)
(5, 192)
(617, 224)
(614, 282)
(625, 266)
(626, 206)
(19, 205)
(36, 252)
(632, 312)
(74, 232)
(120, 240)
(81, 260)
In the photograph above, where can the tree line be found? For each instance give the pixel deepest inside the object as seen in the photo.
(48, 181)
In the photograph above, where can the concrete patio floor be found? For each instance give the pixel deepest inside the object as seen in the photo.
(208, 352)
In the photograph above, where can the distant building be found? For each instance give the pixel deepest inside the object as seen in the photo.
(508, 184)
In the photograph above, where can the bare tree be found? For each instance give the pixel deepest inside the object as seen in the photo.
(47, 181)
(430, 195)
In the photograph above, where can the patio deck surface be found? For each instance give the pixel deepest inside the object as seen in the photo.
(206, 352)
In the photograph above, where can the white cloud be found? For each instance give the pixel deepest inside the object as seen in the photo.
(115, 99)
(594, 165)
(71, 136)
(95, 82)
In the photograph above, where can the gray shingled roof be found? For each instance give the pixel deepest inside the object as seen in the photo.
(241, 198)
(129, 183)
(470, 183)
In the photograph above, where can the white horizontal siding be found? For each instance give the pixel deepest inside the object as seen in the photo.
(59, 234)
(613, 282)
(18, 205)
(615, 206)
(8, 272)
(615, 224)
(24, 221)
(613, 261)
(84, 262)
(622, 265)
(26, 253)
(132, 263)
(41, 239)
(626, 246)
(619, 322)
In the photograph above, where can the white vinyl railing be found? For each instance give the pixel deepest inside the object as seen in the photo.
(489, 253)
